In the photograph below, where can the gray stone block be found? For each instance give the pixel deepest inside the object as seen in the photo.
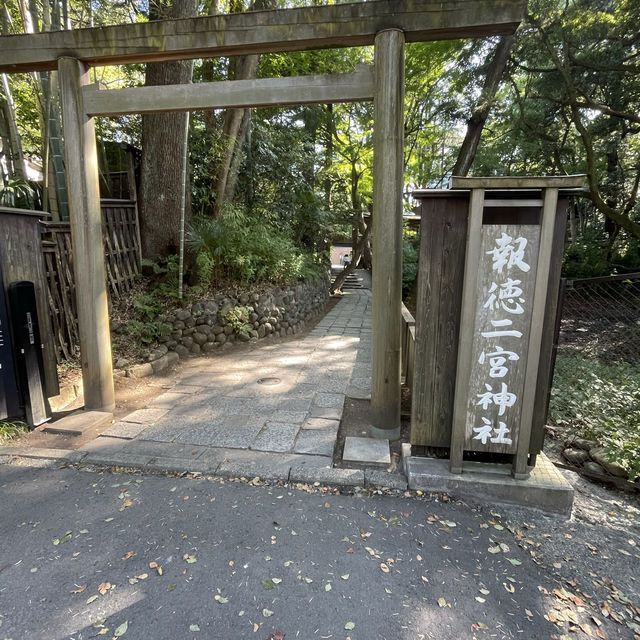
(545, 489)
(319, 442)
(160, 364)
(140, 370)
(116, 458)
(265, 471)
(181, 465)
(166, 400)
(366, 450)
(291, 417)
(146, 416)
(328, 413)
(329, 400)
(383, 479)
(320, 423)
(125, 430)
(339, 477)
(45, 453)
(186, 389)
(276, 436)
(77, 423)
(165, 449)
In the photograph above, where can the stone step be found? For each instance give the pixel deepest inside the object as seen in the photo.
(77, 423)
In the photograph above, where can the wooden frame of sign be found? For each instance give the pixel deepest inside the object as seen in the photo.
(504, 295)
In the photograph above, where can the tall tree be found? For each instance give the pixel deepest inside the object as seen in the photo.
(236, 121)
(478, 118)
(164, 145)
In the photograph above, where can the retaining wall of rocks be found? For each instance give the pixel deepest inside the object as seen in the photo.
(203, 327)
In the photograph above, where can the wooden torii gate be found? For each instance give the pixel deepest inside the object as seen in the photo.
(387, 24)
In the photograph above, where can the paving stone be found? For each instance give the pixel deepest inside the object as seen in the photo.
(378, 478)
(166, 400)
(77, 423)
(329, 400)
(320, 423)
(340, 477)
(366, 450)
(319, 442)
(125, 430)
(276, 436)
(165, 449)
(357, 393)
(291, 417)
(239, 437)
(187, 389)
(145, 416)
(104, 444)
(293, 404)
(328, 413)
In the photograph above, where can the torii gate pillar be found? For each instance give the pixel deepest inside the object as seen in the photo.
(388, 167)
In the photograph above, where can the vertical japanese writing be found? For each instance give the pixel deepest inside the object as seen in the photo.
(504, 303)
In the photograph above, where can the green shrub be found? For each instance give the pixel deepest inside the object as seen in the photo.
(238, 319)
(239, 248)
(600, 402)
(410, 253)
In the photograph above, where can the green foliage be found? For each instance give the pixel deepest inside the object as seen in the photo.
(166, 273)
(240, 248)
(18, 193)
(601, 402)
(410, 253)
(10, 429)
(238, 319)
(148, 324)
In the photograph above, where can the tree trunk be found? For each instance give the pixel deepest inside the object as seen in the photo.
(236, 125)
(163, 149)
(476, 123)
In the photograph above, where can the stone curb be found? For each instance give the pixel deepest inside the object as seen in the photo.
(374, 478)
(341, 477)
(269, 472)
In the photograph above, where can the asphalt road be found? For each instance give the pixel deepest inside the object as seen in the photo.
(87, 554)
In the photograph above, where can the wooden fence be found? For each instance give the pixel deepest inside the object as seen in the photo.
(121, 234)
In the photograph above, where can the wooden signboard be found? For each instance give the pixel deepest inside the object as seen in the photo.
(505, 283)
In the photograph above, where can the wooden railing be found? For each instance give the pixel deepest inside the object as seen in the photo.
(408, 346)
(121, 234)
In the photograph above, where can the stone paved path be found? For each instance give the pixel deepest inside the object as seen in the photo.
(278, 405)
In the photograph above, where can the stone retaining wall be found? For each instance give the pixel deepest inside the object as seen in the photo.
(203, 326)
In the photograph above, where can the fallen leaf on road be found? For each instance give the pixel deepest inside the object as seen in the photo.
(277, 635)
(128, 555)
(442, 602)
(384, 567)
(194, 627)
(350, 626)
(121, 630)
(80, 589)
(267, 613)
(103, 587)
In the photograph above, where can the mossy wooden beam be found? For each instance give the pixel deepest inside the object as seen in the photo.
(352, 87)
(342, 25)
